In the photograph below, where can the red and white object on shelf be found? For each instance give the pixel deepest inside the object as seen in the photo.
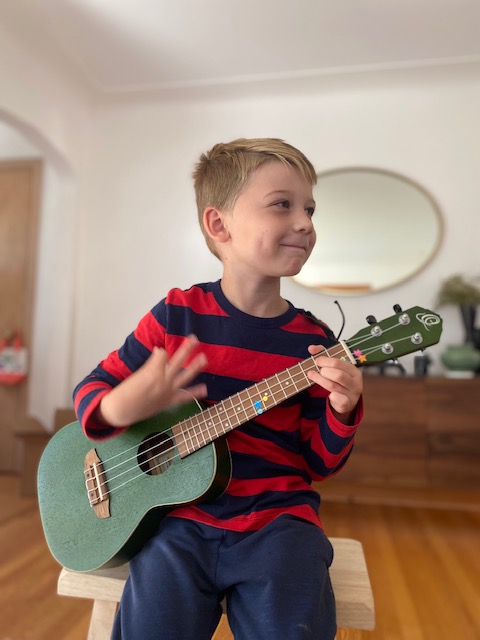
(13, 360)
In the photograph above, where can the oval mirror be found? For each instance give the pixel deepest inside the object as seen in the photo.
(375, 229)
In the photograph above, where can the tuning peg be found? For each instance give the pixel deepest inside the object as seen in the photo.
(397, 308)
(371, 320)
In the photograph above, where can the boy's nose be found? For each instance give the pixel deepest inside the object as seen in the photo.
(303, 221)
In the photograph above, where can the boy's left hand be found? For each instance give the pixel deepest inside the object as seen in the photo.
(343, 379)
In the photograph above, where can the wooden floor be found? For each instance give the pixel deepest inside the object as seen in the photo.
(424, 564)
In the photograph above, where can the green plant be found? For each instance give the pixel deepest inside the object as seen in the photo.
(457, 290)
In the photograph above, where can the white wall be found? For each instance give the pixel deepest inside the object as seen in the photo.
(118, 216)
(140, 235)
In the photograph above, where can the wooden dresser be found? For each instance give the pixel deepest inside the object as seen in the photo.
(417, 433)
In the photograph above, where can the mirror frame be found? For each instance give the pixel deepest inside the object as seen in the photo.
(359, 291)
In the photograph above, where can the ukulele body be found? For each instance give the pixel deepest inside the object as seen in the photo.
(141, 489)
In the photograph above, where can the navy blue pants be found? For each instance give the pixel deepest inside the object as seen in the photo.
(275, 581)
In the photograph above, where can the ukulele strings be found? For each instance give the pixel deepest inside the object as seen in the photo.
(298, 377)
(336, 350)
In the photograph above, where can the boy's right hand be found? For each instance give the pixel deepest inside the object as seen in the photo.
(156, 385)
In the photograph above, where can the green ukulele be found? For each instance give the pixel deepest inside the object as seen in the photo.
(100, 502)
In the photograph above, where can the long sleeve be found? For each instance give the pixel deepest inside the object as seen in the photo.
(113, 369)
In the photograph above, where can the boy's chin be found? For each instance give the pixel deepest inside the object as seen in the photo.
(294, 270)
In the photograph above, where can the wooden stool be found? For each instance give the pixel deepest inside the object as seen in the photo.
(349, 575)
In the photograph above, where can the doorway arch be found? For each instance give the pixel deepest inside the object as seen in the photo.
(52, 322)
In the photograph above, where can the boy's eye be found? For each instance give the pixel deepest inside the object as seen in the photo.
(285, 204)
(310, 211)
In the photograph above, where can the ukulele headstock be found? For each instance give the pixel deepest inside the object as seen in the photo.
(405, 332)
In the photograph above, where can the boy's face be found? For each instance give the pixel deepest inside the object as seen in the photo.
(270, 226)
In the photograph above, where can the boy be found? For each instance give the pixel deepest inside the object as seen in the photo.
(260, 544)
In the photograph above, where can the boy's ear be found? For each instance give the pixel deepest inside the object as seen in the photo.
(214, 225)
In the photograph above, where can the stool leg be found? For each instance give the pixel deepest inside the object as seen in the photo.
(101, 622)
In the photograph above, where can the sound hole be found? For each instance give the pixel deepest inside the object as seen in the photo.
(155, 453)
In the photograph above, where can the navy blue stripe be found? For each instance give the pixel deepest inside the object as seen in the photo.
(100, 375)
(313, 406)
(85, 402)
(133, 353)
(249, 467)
(288, 440)
(227, 506)
(333, 442)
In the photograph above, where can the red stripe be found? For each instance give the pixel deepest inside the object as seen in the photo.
(301, 324)
(88, 388)
(92, 428)
(115, 366)
(234, 362)
(150, 332)
(240, 442)
(343, 430)
(250, 522)
(257, 486)
(197, 300)
(280, 418)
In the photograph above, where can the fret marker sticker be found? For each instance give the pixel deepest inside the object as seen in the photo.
(359, 355)
(258, 407)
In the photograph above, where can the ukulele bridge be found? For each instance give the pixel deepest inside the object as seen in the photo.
(96, 485)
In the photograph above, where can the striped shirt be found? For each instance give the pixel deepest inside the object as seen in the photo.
(276, 455)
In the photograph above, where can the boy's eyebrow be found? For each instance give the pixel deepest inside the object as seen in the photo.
(284, 192)
(277, 191)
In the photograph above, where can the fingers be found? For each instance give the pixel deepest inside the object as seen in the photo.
(174, 374)
(182, 396)
(314, 349)
(184, 351)
(177, 367)
(342, 379)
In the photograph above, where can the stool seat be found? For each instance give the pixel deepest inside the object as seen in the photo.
(348, 573)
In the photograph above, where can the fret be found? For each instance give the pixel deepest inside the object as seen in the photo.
(276, 376)
(193, 433)
(181, 434)
(209, 422)
(251, 411)
(311, 365)
(288, 371)
(222, 418)
(214, 421)
(261, 397)
(208, 427)
(235, 409)
(189, 433)
(195, 436)
(212, 428)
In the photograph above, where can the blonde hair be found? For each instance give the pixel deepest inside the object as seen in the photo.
(222, 173)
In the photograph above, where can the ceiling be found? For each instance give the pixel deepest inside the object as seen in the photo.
(124, 46)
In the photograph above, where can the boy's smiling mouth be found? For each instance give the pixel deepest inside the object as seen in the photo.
(289, 245)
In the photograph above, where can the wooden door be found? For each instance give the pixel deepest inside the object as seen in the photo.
(19, 198)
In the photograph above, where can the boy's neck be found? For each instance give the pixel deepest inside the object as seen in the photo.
(260, 299)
